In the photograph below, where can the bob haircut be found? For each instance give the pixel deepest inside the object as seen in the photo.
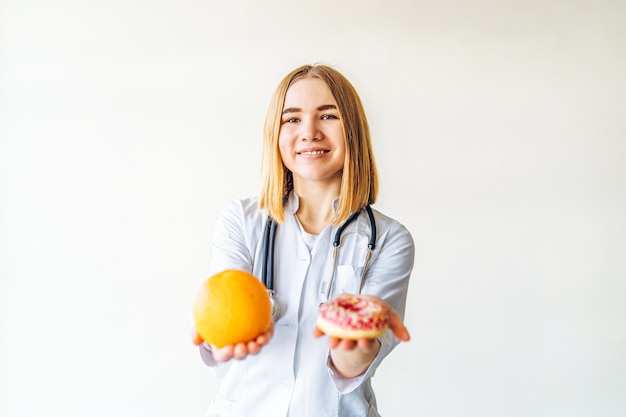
(359, 181)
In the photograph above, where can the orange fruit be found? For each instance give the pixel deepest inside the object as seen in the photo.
(231, 307)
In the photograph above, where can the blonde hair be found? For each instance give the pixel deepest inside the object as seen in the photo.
(359, 182)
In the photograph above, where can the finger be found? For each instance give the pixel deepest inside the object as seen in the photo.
(241, 351)
(260, 340)
(264, 339)
(397, 327)
(333, 342)
(395, 322)
(348, 344)
(317, 332)
(254, 348)
(367, 344)
(222, 354)
(195, 337)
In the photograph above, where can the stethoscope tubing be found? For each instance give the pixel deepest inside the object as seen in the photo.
(337, 243)
(268, 242)
(267, 271)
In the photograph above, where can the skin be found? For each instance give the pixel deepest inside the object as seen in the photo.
(312, 146)
(239, 351)
(352, 357)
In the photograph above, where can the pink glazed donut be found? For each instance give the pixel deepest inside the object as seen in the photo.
(352, 316)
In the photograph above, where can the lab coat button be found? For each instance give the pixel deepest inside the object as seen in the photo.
(290, 325)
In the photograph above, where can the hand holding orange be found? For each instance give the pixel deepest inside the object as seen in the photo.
(230, 308)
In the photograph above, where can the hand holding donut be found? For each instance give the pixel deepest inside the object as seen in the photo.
(352, 320)
(353, 324)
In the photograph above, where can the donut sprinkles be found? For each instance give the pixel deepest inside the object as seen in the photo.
(352, 316)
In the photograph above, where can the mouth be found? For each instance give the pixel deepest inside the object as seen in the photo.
(313, 152)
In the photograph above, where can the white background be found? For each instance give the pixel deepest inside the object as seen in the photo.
(500, 132)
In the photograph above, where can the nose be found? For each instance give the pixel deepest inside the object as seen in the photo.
(310, 130)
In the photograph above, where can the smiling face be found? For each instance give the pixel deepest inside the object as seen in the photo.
(311, 139)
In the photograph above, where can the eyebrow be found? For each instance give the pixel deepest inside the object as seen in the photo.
(320, 108)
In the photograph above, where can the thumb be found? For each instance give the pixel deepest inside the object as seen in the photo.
(195, 337)
(396, 326)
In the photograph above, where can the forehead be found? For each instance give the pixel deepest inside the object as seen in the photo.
(307, 92)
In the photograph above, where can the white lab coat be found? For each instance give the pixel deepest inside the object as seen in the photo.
(293, 375)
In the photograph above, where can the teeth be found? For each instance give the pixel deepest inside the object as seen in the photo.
(312, 152)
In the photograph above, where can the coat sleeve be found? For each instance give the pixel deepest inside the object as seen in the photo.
(232, 246)
(388, 278)
(231, 250)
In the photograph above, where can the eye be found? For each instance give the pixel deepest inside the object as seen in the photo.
(329, 117)
(291, 120)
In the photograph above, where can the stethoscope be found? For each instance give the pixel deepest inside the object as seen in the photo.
(267, 251)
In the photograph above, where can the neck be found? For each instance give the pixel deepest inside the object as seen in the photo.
(315, 209)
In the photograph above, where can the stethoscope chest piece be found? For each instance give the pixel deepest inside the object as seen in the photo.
(275, 305)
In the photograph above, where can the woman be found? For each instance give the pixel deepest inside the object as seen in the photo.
(318, 169)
